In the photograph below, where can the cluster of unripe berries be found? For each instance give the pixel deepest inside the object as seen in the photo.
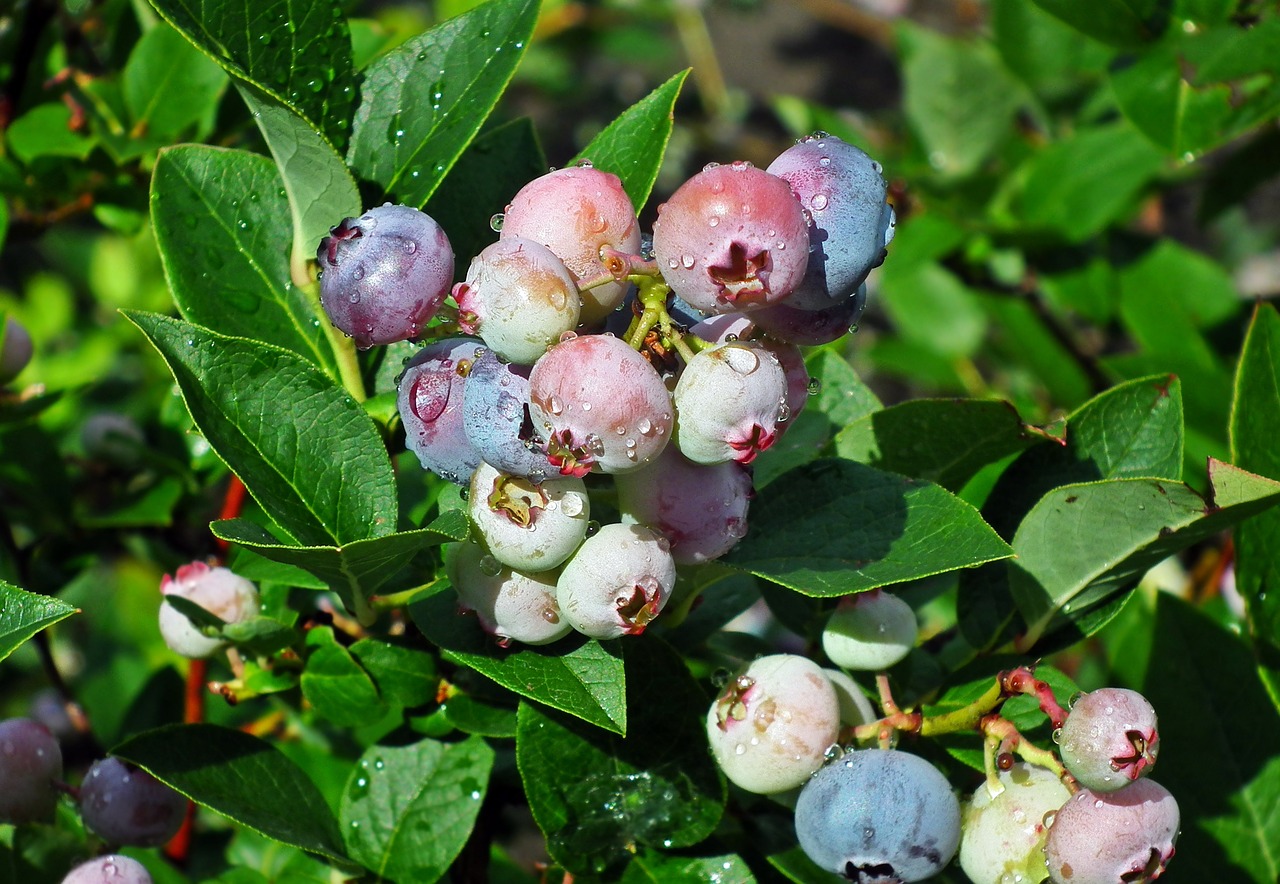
(121, 804)
(579, 347)
(885, 816)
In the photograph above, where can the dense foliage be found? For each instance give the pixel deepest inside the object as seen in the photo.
(1052, 434)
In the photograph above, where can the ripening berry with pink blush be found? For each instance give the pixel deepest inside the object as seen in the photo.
(599, 404)
(617, 581)
(797, 373)
(518, 297)
(578, 212)
(729, 401)
(219, 591)
(430, 402)
(701, 510)
(843, 190)
(732, 238)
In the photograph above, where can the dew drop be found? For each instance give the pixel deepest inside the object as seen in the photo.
(814, 386)
(495, 222)
(490, 567)
(713, 221)
(818, 202)
(644, 426)
(824, 161)
(686, 261)
(741, 359)
(555, 406)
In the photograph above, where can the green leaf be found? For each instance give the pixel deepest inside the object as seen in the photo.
(931, 307)
(1044, 52)
(218, 222)
(1198, 89)
(1087, 181)
(424, 101)
(261, 635)
(168, 84)
(23, 614)
(483, 181)
(836, 527)
(1255, 426)
(320, 188)
(45, 131)
(241, 777)
(473, 716)
(651, 867)
(580, 677)
(408, 810)
(841, 396)
(940, 440)
(959, 98)
(1083, 544)
(336, 685)
(1123, 23)
(656, 788)
(405, 676)
(353, 570)
(633, 145)
(1215, 753)
(298, 51)
(305, 450)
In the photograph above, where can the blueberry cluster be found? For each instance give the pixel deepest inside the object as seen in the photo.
(120, 804)
(575, 347)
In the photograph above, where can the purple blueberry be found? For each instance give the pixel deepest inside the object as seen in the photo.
(384, 275)
(843, 190)
(30, 764)
(123, 804)
(1125, 837)
(430, 402)
(495, 416)
(812, 327)
(15, 349)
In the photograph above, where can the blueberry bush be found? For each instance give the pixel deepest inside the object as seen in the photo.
(482, 441)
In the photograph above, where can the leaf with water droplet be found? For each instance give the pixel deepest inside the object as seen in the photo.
(440, 86)
(415, 812)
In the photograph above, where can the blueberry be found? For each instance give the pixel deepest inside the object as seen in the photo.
(123, 804)
(15, 350)
(1125, 837)
(384, 274)
(1109, 739)
(110, 869)
(430, 403)
(495, 416)
(879, 816)
(219, 591)
(30, 763)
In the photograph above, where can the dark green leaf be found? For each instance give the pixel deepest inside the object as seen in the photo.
(424, 101)
(353, 570)
(1082, 544)
(1123, 23)
(633, 145)
(657, 788)
(959, 98)
(306, 451)
(496, 165)
(940, 440)
(241, 777)
(297, 50)
(218, 217)
(473, 716)
(1047, 54)
(835, 527)
(168, 84)
(583, 678)
(404, 675)
(320, 189)
(408, 810)
(1255, 427)
(336, 685)
(23, 614)
(261, 635)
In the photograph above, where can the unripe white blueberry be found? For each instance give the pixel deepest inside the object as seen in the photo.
(729, 401)
(110, 869)
(126, 805)
(1002, 841)
(1109, 738)
(219, 591)
(519, 297)
(30, 763)
(526, 526)
(870, 631)
(511, 605)
(773, 722)
(617, 581)
(855, 708)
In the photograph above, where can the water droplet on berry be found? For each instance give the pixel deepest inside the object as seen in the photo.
(743, 360)
(709, 166)
(814, 386)
(818, 202)
(1056, 736)
(354, 297)
(593, 528)
(358, 273)
(495, 222)
(586, 406)
(644, 426)
(490, 566)
(853, 329)
(673, 263)
(410, 247)
(555, 406)
(686, 261)
(550, 615)
(824, 161)
(739, 749)
(784, 411)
